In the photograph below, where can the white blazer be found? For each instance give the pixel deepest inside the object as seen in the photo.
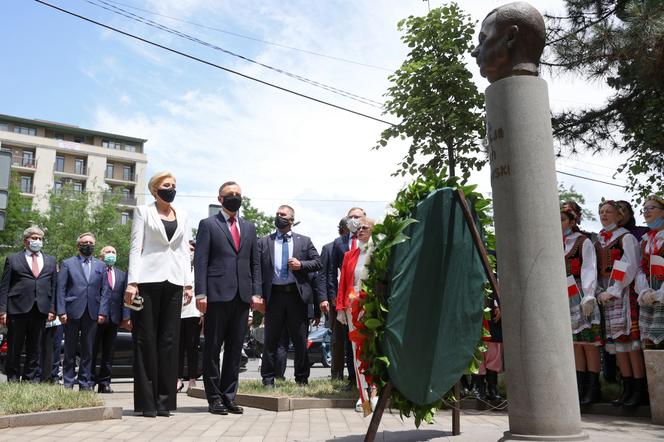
(152, 258)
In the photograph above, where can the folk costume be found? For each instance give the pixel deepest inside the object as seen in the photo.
(649, 277)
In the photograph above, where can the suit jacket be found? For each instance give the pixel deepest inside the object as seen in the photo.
(221, 271)
(152, 257)
(117, 312)
(323, 274)
(19, 289)
(304, 251)
(339, 248)
(74, 293)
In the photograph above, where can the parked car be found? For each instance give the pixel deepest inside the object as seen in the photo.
(318, 345)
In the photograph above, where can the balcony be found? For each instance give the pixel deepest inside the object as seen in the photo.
(124, 200)
(73, 172)
(26, 190)
(25, 164)
(123, 178)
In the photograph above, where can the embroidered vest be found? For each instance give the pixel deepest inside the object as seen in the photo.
(574, 259)
(606, 255)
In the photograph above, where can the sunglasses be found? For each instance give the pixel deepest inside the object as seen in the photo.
(364, 228)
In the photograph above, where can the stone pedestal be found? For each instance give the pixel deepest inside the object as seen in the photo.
(655, 372)
(539, 360)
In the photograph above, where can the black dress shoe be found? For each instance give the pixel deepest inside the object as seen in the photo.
(105, 389)
(150, 413)
(217, 407)
(84, 388)
(164, 413)
(233, 407)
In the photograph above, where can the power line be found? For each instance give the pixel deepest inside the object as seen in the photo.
(124, 13)
(200, 60)
(223, 31)
(591, 179)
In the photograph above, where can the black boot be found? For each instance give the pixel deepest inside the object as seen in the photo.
(627, 388)
(638, 395)
(480, 387)
(593, 391)
(581, 383)
(492, 386)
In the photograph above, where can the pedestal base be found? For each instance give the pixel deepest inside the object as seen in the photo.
(507, 436)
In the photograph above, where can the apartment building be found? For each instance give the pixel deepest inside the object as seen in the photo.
(48, 155)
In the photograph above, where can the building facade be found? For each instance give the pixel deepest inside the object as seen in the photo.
(48, 155)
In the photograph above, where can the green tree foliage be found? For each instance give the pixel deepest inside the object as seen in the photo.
(565, 194)
(72, 213)
(264, 224)
(18, 217)
(621, 43)
(434, 96)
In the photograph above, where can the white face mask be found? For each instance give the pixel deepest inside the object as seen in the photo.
(35, 245)
(353, 224)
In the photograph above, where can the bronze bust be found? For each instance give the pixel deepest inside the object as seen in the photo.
(511, 42)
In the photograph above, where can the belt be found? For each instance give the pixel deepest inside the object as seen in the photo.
(286, 288)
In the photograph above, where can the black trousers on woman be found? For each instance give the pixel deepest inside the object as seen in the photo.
(190, 338)
(155, 333)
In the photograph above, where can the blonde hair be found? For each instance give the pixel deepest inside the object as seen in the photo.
(156, 180)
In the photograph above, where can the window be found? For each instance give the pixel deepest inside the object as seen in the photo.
(109, 171)
(26, 184)
(25, 130)
(126, 193)
(77, 186)
(57, 187)
(79, 166)
(59, 136)
(59, 164)
(130, 148)
(4, 126)
(78, 139)
(110, 144)
(27, 159)
(124, 218)
(126, 173)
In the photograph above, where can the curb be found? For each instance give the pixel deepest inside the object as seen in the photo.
(60, 417)
(280, 403)
(601, 408)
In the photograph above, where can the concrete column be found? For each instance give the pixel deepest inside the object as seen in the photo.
(539, 360)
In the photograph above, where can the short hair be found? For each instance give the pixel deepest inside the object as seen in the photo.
(357, 208)
(226, 184)
(86, 234)
(286, 206)
(530, 22)
(369, 221)
(32, 230)
(156, 180)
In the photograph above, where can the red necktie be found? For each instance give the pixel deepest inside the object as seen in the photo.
(110, 277)
(353, 244)
(35, 265)
(235, 233)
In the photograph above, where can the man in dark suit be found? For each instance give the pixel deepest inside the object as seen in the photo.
(288, 262)
(328, 304)
(226, 274)
(340, 246)
(118, 315)
(27, 301)
(83, 302)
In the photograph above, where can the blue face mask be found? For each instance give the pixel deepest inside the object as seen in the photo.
(567, 232)
(657, 223)
(109, 259)
(610, 228)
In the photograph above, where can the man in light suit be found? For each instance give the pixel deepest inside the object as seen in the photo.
(340, 246)
(226, 273)
(27, 301)
(82, 303)
(118, 315)
(288, 263)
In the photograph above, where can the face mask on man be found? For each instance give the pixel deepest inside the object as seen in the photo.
(280, 222)
(109, 259)
(353, 224)
(35, 245)
(86, 249)
(232, 203)
(167, 195)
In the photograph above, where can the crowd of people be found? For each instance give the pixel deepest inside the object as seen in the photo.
(614, 289)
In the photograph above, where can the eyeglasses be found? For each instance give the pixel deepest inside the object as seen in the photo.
(649, 209)
(364, 228)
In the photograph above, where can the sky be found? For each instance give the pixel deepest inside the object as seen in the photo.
(208, 126)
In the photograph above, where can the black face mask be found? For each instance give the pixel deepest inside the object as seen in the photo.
(232, 202)
(86, 249)
(280, 222)
(167, 195)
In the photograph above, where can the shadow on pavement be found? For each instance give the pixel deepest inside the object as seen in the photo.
(401, 436)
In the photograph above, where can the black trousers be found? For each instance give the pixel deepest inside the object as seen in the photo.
(46, 354)
(24, 328)
(104, 343)
(281, 355)
(190, 338)
(155, 334)
(225, 323)
(285, 309)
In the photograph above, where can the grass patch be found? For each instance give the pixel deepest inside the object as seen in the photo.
(317, 388)
(20, 398)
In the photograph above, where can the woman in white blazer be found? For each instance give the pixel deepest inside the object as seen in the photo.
(159, 270)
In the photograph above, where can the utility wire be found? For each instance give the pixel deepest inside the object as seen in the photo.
(223, 31)
(119, 11)
(200, 60)
(592, 179)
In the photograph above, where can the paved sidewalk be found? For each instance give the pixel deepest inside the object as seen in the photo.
(192, 422)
